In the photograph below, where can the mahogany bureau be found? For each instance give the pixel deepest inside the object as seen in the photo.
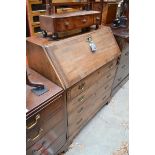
(46, 126)
(86, 75)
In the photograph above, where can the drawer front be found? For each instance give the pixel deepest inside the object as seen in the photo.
(100, 101)
(90, 80)
(73, 23)
(80, 99)
(48, 146)
(41, 122)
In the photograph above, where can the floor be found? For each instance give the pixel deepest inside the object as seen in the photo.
(107, 132)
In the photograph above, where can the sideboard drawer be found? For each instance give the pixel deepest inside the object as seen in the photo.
(90, 80)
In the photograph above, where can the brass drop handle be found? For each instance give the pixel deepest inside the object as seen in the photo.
(79, 121)
(37, 136)
(36, 120)
(110, 66)
(81, 87)
(81, 98)
(66, 23)
(84, 20)
(123, 66)
(108, 76)
(81, 109)
(106, 87)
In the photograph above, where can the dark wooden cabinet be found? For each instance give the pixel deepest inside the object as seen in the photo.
(46, 121)
(109, 12)
(86, 75)
(122, 74)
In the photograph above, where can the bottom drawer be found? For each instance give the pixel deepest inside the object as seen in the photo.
(48, 140)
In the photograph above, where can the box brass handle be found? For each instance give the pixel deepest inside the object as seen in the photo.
(84, 20)
(66, 23)
(81, 87)
(81, 98)
(41, 148)
(36, 120)
(97, 18)
(37, 136)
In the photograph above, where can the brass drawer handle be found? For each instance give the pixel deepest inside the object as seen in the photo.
(104, 97)
(81, 98)
(66, 23)
(41, 148)
(79, 111)
(84, 20)
(110, 66)
(81, 87)
(127, 53)
(36, 120)
(79, 121)
(106, 87)
(37, 136)
(108, 76)
(123, 66)
(97, 18)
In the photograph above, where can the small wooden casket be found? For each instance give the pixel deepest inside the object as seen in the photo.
(68, 21)
(83, 65)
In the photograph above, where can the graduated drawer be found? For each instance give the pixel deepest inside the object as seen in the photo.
(78, 117)
(45, 119)
(90, 80)
(47, 145)
(81, 98)
(71, 23)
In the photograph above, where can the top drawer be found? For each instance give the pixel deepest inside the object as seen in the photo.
(88, 81)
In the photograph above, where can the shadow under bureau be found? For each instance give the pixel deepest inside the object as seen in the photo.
(85, 75)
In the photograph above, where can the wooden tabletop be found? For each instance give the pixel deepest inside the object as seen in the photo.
(33, 101)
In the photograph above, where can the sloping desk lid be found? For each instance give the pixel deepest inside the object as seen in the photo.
(73, 58)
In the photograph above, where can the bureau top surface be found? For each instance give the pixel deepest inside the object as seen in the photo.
(72, 14)
(73, 58)
(34, 101)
